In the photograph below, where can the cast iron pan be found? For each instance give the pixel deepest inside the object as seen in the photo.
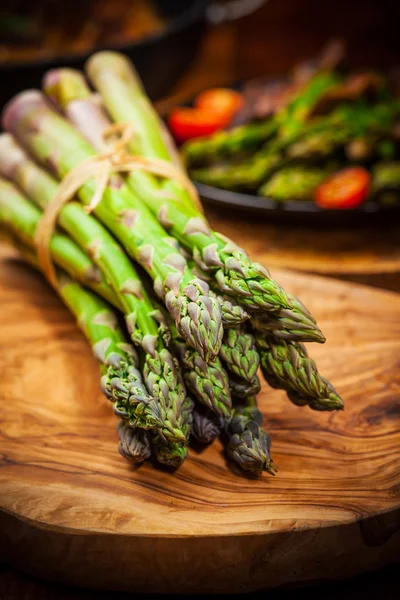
(294, 210)
(160, 59)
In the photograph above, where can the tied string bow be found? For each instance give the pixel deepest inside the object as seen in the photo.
(113, 159)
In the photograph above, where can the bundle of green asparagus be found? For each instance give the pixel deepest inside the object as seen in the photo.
(200, 316)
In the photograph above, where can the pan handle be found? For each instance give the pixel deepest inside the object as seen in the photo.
(231, 11)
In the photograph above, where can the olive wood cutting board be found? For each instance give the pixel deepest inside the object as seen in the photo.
(73, 510)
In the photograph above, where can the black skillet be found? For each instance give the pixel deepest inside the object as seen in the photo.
(160, 59)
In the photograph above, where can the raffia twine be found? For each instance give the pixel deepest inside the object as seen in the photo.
(113, 159)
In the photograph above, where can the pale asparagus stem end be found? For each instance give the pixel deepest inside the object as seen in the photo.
(73, 86)
(18, 106)
(104, 60)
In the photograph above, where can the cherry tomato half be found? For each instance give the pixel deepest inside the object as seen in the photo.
(188, 123)
(345, 189)
(221, 100)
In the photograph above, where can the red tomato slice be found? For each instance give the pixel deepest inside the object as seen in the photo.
(222, 100)
(188, 123)
(345, 189)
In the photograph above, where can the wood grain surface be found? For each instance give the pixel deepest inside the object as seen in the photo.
(73, 510)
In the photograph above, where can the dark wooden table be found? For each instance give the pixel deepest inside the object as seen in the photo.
(268, 43)
(385, 585)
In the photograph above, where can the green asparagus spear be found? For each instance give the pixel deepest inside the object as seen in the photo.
(248, 443)
(293, 183)
(207, 382)
(55, 143)
(229, 143)
(234, 272)
(286, 366)
(386, 176)
(288, 326)
(319, 145)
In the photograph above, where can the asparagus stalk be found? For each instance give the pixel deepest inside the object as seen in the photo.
(239, 355)
(235, 274)
(56, 144)
(159, 370)
(229, 143)
(286, 366)
(207, 425)
(248, 443)
(386, 177)
(293, 183)
(320, 144)
(288, 326)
